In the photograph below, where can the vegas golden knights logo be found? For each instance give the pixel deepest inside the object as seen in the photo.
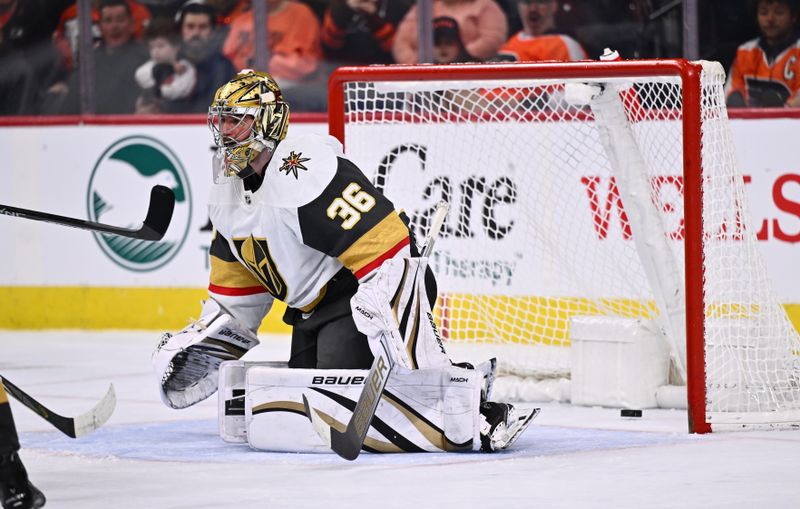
(255, 253)
(275, 120)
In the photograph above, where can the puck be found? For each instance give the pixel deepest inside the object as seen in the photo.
(627, 412)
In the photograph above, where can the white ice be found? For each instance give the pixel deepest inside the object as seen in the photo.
(148, 456)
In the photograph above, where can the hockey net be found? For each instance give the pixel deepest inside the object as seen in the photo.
(605, 189)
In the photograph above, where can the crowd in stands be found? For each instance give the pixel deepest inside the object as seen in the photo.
(169, 56)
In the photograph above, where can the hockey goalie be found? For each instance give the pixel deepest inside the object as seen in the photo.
(295, 220)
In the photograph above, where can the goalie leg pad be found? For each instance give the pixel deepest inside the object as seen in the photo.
(432, 410)
(488, 369)
(394, 303)
(231, 396)
(187, 363)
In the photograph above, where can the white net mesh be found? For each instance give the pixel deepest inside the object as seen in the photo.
(752, 349)
(537, 232)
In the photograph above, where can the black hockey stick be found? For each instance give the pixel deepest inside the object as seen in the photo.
(74, 427)
(348, 444)
(159, 215)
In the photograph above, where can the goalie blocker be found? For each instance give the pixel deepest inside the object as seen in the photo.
(425, 410)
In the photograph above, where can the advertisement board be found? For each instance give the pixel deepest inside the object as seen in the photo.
(52, 276)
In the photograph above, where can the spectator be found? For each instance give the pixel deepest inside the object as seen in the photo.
(66, 34)
(448, 48)
(482, 23)
(539, 40)
(361, 31)
(766, 70)
(116, 59)
(169, 78)
(201, 46)
(294, 41)
(27, 54)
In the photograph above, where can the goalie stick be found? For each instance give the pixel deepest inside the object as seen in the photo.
(348, 444)
(74, 427)
(156, 222)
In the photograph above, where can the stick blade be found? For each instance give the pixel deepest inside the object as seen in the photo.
(89, 421)
(159, 214)
(347, 444)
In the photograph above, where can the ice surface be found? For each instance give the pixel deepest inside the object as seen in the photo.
(148, 456)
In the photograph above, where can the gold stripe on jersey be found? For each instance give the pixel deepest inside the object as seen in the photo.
(375, 243)
(231, 275)
(3, 395)
(317, 300)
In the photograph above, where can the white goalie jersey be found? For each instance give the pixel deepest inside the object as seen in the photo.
(315, 213)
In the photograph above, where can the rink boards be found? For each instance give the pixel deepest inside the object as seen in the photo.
(87, 281)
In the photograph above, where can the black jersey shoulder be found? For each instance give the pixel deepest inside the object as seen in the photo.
(331, 223)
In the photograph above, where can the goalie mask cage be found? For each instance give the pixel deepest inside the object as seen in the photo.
(582, 189)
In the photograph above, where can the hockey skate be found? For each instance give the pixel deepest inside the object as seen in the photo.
(502, 423)
(16, 491)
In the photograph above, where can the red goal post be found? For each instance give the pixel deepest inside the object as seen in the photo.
(495, 131)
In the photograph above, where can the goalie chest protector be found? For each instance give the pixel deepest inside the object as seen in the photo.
(263, 228)
(297, 231)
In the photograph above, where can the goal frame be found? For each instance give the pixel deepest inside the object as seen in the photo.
(689, 74)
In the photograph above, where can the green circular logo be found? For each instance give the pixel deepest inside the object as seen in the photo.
(118, 194)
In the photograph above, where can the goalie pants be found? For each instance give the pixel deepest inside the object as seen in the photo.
(9, 442)
(327, 338)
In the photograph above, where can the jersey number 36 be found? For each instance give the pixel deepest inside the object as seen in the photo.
(350, 205)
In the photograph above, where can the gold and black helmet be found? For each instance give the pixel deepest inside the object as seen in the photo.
(251, 109)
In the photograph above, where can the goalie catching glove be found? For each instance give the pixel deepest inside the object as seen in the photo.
(187, 363)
